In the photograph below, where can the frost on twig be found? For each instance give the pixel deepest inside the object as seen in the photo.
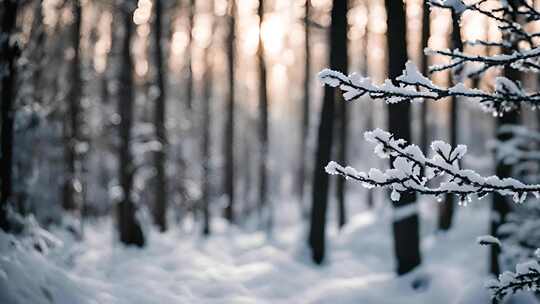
(405, 174)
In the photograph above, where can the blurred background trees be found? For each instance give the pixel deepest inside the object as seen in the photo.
(187, 111)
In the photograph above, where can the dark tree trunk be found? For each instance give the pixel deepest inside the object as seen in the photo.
(206, 125)
(304, 127)
(342, 157)
(405, 226)
(8, 58)
(160, 212)
(247, 157)
(128, 225)
(229, 176)
(72, 191)
(325, 137)
(446, 210)
(264, 204)
(500, 205)
(189, 57)
(206, 149)
(426, 30)
(341, 123)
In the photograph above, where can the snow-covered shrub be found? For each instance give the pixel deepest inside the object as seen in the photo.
(519, 50)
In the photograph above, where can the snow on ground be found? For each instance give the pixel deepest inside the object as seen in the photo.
(235, 266)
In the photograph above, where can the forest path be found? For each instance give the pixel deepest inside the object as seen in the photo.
(237, 266)
(234, 266)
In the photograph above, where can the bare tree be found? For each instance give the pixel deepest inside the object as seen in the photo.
(228, 178)
(206, 125)
(319, 198)
(128, 225)
(406, 234)
(424, 66)
(160, 212)
(342, 122)
(72, 188)
(8, 57)
(264, 204)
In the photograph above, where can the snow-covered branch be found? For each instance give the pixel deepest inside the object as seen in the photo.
(507, 94)
(526, 277)
(527, 60)
(413, 86)
(511, 18)
(406, 175)
(505, 14)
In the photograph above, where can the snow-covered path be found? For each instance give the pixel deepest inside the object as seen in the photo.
(235, 266)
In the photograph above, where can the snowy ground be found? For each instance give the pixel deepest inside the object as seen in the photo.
(235, 266)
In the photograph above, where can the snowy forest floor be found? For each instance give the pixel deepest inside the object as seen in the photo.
(236, 266)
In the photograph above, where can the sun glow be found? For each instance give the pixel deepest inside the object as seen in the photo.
(103, 44)
(273, 33)
(141, 17)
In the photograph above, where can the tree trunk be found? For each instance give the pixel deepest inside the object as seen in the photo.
(446, 210)
(189, 57)
(264, 204)
(8, 59)
(247, 157)
(304, 127)
(129, 228)
(72, 188)
(325, 137)
(341, 120)
(229, 176)
(160, 212)
(405, 226)
(426, 31)
(206, 121)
